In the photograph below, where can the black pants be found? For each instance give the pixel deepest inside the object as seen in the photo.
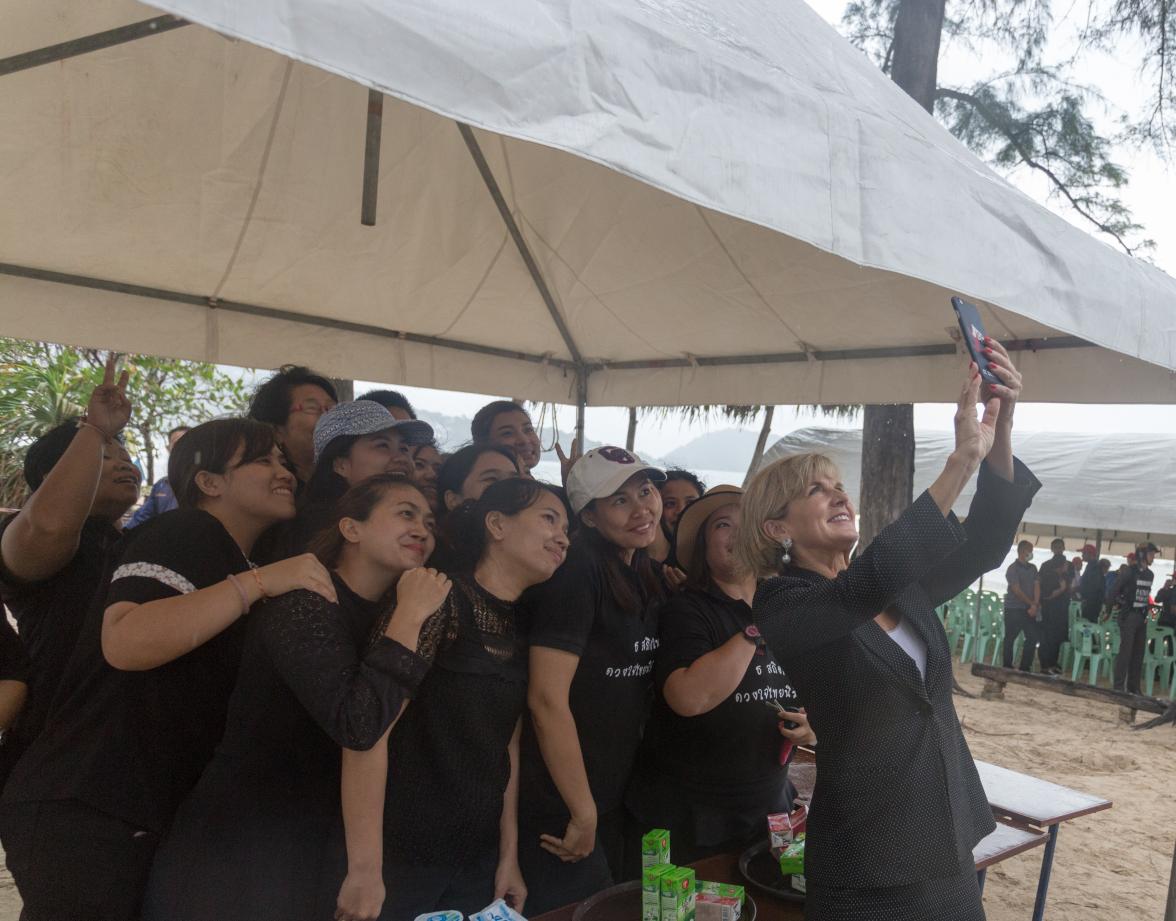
(74, 863)
(1092, 610)
(1133, 642)
(551, 883)
(415, 890)
(1055, 622)
(1018, 621)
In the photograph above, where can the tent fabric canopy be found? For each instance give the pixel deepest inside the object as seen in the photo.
(655, 203)
(1111, 486)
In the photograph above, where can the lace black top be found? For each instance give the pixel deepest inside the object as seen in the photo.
(448, 761)
(252, 839)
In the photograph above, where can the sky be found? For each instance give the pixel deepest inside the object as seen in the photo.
(1151, 195)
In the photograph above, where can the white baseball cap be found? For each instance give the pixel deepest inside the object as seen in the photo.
(604, 470)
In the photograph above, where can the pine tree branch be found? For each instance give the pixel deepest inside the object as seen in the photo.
(1008, 131)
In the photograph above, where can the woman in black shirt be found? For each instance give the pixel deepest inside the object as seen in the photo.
(448, 778)
(715, 755)
(149, 682)
(593, 638)
(251, 841)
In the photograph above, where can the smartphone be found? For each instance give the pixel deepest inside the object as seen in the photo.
(788, 724)
(972, 328)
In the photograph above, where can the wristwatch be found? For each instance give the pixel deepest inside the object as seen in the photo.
(752, 635)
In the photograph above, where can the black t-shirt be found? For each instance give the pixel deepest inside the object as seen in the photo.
(133, 744)
(1166, 599)
(14, 662)
(49, 615)
(1134, 590)
(611, 691)
(1054, 572)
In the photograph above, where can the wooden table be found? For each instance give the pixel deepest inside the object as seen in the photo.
(1037, 803)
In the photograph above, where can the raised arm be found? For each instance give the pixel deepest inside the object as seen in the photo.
(45, 533)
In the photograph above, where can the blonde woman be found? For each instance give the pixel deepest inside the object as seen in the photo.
(898, 804)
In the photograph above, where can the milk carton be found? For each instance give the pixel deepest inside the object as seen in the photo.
(655, 848)
(651, 890)
(677, 895)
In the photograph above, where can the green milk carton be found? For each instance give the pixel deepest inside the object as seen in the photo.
(723, 890)
(651, 890)
(655, 848)
(677, 895)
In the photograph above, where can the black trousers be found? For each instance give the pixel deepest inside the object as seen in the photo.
(1055, 621)
(74, 863)
(551, 883)
(1092, 610)
(1133, 642)
(414, 890)
(1018, 621)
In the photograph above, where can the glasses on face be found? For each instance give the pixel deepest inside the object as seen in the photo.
(312, 407)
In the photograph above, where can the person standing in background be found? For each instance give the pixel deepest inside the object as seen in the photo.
(1022, 607)
(394, 401)
(679, 490)
(1132, 599)
(292, 402)
(1055, 605)
(1092, 587)
(161, 498)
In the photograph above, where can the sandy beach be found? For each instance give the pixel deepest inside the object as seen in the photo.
(1111, 864)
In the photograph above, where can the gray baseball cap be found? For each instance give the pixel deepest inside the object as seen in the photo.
(365, 417)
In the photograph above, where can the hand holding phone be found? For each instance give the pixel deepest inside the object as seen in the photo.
(972, 328)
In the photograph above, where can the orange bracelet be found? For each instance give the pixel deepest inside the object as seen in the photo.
(260, 584)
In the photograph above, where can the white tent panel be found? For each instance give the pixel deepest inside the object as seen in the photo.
(1118, 484)
(710, 191)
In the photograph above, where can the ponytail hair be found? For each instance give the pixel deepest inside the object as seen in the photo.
(464, 529)
(357, 503)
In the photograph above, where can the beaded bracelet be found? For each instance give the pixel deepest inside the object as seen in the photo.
(241, 592)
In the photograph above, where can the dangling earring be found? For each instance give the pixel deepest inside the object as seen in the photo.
(786, 556)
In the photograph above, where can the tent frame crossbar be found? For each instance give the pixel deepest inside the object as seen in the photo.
(581, 367)
(84, 45)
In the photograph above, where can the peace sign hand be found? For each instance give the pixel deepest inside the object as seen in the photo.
(109, 410)
(567, 461)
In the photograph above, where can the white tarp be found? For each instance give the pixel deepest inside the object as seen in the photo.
(727, 201)
(1122, 484)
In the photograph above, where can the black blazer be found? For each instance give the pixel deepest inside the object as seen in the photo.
(897, 798)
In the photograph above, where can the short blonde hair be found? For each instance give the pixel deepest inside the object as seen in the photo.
(766, 498)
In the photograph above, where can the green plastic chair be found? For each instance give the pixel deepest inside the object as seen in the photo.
(989, 625)
(1158, 658)
(969, 629)
(1111, 641)
(1087, 644)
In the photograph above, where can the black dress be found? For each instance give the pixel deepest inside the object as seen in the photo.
(448, 760)
(711, 779)
(85, 807)
(251, 842)
(898, 804)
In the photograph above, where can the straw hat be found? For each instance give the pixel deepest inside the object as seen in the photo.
(695, 516)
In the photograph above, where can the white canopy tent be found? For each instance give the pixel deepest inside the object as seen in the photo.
(1110, 490)
(616, 201)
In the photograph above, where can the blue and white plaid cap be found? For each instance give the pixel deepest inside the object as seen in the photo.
(365, 417)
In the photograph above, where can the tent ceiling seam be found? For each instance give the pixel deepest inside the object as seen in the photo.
(512, 226)
(478, 287)
(261, 168)
(96, 42)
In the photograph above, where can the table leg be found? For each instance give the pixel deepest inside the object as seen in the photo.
(1046, 867)
(981, 875)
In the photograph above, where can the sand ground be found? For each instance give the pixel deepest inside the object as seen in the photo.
(1111, 865)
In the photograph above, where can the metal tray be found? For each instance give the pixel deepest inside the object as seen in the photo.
(761, 871)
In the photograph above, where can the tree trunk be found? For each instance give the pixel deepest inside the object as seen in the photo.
(149, 450)
(761, 444)
(344, 389)
(888, 466)
(888, 432)
(631, 436)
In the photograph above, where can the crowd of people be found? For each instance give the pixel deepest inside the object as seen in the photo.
(1037, 605)
(334, 672)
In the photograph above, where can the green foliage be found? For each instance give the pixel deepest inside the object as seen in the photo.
(1152, 23)
(1037, 115)
(42, 385)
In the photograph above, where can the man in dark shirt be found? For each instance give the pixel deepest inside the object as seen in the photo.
(1166, 599)
(1055, 605)
(1092, 586)
(1021, 607)
(1131, 600)
(52, 551)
